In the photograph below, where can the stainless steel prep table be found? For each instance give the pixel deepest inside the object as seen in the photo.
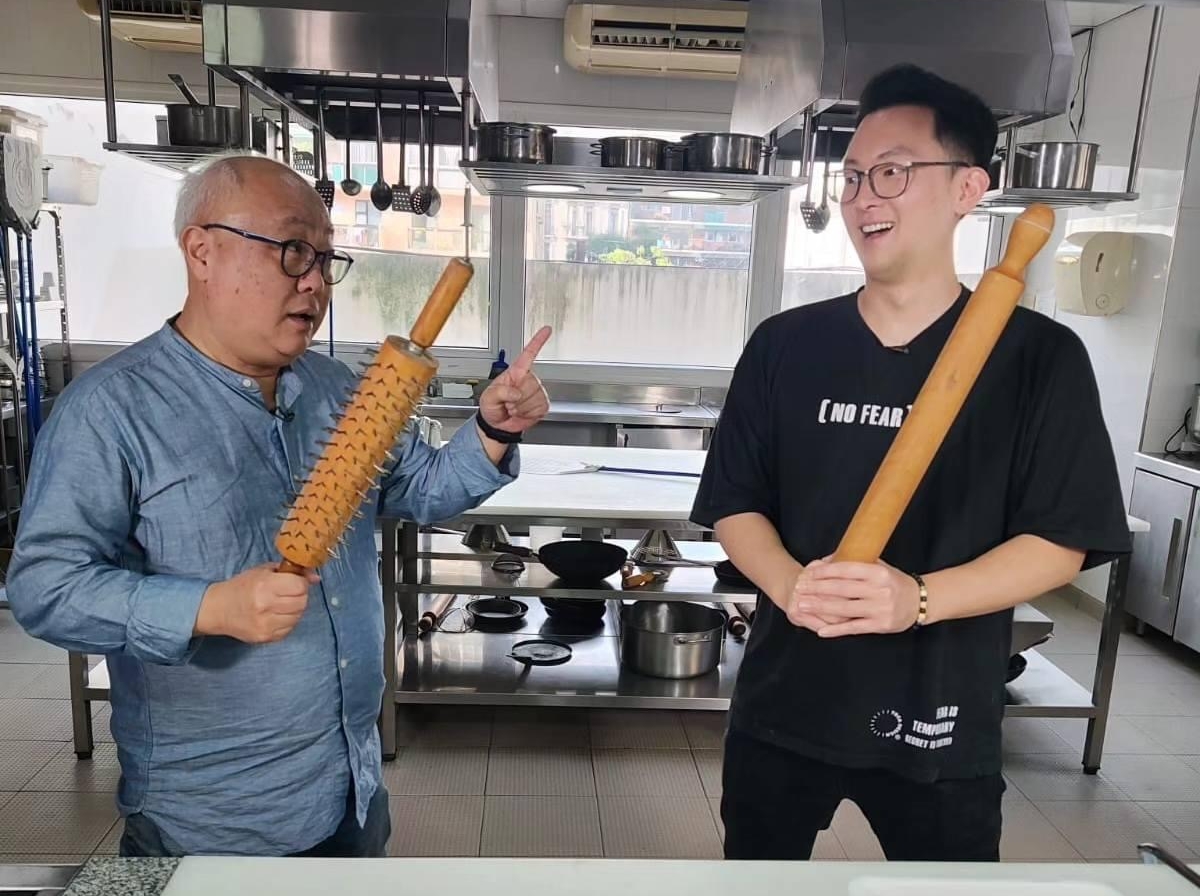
(474, 668)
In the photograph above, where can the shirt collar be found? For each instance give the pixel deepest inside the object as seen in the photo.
(287, 390)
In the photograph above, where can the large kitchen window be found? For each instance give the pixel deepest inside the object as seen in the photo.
(644, 283)
(125, 275)
(823, 265)
(398, 256)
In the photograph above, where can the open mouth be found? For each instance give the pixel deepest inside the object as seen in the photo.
(876, 230)
(305, 318)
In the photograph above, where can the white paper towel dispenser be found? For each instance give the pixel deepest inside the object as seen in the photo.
(1093, 271)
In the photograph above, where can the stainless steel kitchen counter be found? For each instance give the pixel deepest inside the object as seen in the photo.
(1182, 469)
(698, 416)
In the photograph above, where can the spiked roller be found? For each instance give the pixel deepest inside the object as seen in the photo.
(353, 458)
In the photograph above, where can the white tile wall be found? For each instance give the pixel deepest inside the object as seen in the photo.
(1143, 377)
(1177, 365)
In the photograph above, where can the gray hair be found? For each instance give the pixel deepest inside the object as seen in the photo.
(204, 185)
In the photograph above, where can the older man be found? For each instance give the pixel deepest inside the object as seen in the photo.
(244, 700)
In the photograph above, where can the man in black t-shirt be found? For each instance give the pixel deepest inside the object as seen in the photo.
(846, 691)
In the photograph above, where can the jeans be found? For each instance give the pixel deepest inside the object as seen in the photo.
(775, 802)
(142, 838)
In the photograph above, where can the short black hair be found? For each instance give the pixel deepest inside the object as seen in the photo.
(962, 122)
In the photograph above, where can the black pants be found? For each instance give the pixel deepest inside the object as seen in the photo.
(142, 839)
(776, 802)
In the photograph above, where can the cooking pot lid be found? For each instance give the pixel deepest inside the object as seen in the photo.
(540, 652)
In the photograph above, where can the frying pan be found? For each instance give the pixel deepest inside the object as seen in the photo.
(496, 613)
(575, 562)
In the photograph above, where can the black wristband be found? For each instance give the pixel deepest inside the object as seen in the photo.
(504, 437)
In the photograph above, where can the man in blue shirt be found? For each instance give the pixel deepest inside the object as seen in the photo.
(244, 701)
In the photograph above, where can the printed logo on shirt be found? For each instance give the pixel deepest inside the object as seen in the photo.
(935, 735)
(851, 414)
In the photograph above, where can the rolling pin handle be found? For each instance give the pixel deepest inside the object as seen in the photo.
(450, 287)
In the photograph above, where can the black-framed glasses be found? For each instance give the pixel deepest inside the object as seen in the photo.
(888, 179)
(298, 257)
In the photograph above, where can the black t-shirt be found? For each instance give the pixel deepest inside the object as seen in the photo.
(814, 404)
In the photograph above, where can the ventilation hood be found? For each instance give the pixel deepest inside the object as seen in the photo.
(347, 49)
(817, 55)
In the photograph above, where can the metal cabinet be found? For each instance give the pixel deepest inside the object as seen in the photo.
(1157, 569)
(677, 437)
(1187, 617)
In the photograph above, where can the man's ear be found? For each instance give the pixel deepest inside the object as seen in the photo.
(972, 184)
(196, 244)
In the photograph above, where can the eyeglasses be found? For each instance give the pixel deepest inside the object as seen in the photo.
(888, 179)
(298, 257)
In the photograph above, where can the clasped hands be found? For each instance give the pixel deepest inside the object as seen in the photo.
(835, 599)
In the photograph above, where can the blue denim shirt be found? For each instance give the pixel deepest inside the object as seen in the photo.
(160, 472)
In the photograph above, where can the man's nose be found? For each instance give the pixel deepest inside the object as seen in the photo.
(312, 281)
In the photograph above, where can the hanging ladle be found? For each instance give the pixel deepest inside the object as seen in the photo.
(350, 186)
(381, 192)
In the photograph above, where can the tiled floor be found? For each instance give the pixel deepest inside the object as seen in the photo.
(563, 782)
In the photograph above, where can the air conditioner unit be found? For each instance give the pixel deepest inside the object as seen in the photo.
(172, 25)
(636, 40)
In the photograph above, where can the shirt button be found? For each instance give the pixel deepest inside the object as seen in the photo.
(335, 602)
(344, 663)
(345, 720)
(248, 383)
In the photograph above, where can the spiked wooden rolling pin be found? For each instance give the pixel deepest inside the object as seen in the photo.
(352, 460)
(946, 388)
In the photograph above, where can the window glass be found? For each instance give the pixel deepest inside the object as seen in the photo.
(822, 265)
(653, 283)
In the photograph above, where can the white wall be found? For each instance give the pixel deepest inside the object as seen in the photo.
(1123, 347)
(536, 84)
(50, 47)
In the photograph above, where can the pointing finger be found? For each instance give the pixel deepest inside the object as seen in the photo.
(529, 354)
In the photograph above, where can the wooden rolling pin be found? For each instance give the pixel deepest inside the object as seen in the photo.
(431, 617)
(352, 460)
(941, 397)
(737, 625)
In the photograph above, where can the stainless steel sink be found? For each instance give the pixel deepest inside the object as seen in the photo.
(35, 880)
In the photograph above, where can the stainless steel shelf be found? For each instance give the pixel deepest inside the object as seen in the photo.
(1045, 690)
(176, 158)
(475, 668)
(515, 179)
(469, 577)
(442, 546)
(1021, 198)
(449, 567)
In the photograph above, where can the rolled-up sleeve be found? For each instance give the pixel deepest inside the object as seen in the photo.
(69, 582)
(427, 485)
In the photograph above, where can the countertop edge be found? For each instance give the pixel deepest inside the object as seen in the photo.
(1179, 469)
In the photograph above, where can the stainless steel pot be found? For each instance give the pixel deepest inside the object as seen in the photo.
(671, 639)
(1054, 166)
(507, 141)
(195, 124)
(631, 152)
(731, 153)
(674, 157)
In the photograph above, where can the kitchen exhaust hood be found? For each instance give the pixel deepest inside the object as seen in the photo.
(348, 49)
(813, 58)
(817, 55)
